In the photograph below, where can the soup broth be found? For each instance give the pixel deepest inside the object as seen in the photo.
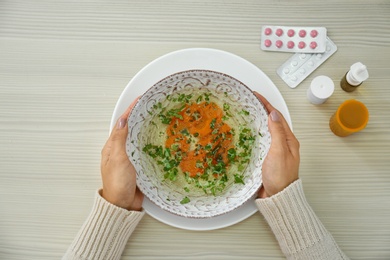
(200, 141)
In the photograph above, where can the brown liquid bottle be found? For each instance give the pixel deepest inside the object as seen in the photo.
(354, 77)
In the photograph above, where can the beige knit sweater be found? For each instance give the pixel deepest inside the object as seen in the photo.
(298, 230)
(105, 232)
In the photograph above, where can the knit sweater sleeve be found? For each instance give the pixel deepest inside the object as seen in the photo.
(300, 233)
(105, 232)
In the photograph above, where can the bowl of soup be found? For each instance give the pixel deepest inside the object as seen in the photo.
(197, 140)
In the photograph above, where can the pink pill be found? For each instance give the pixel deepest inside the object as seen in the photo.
(279, 43)
(267, 43)
(279, 32)
(290, 33)
(313, 33)
(301, 45)
(313, 45)
(302, 33)
(267, 31)
(290, 44)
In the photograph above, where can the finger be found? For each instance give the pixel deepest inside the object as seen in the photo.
(276, 124)
(105, 154)
(119, 126)
(281, 131)
(291, 140)
(119, 134)
(123, 118)
(277, 131)
(293, 144)
(265, 102)
(270, 108)
(128, 110)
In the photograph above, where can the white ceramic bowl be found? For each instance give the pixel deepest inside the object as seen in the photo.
(150, 179)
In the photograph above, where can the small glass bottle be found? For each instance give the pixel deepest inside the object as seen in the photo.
(354, 77)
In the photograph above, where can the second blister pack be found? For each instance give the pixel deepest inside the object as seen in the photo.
(301, 65)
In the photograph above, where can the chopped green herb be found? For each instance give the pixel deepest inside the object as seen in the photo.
(185, 132)
(212, 124)
(175, 147)
(238, 179)
(209, 161)
(199, 164)
(181, 97)
(185, 200)
(207, 97)
(219, 168)
(241, 167)
(244, 112)
(171, 174)
(184, 98)
(167, 153)
(208, 147)
(196, 116)
(231, 154)
(175, 112)
(164, 119)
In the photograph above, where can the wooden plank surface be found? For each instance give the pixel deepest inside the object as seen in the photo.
(63, 65)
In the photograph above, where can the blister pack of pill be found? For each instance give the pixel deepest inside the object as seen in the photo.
(293, 39)
(301, 65)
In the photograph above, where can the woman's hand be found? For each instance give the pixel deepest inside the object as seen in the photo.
(281, 165)
(118, 174)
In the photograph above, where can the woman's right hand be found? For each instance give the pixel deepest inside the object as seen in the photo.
(281, 165)
(118, 174)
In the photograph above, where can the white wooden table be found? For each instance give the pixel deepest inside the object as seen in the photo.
(63, 65)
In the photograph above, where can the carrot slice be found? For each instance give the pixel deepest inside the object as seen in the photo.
(193, 163)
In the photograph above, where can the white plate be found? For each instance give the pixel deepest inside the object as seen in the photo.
(206, 59)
